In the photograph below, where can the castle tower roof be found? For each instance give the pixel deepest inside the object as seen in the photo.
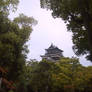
(53, 53)
(53, 47)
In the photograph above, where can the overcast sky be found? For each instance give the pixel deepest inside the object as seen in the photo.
(47, 31)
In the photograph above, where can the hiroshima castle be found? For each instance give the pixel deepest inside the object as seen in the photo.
(53, 53)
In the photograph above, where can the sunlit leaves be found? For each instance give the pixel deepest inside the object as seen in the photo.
(24, 21)
(7, 5)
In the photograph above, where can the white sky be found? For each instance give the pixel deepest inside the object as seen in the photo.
(47, 31)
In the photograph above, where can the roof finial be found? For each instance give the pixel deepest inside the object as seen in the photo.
(52, 44)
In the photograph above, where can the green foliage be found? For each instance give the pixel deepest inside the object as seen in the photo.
(7, 5)
(13, 49)
(25, 21)
(66, 75)
(39, 79)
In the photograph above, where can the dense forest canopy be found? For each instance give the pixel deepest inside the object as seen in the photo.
(66, 75)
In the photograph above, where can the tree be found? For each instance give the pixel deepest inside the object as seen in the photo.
(13, 46)
(78, 16)
(52, 77)
(12, 43)
(13, 37)
(66, 75)
(40, 76)
(7, 5)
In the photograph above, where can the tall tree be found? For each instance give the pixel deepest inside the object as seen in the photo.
(13, 37)
(78, 16)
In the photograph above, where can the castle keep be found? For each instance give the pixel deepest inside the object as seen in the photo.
(53, 53)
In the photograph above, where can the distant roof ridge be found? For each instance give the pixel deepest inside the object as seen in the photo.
(52, 46)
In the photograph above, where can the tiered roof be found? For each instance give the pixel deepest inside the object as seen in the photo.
(53, 47)
(53, 53)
